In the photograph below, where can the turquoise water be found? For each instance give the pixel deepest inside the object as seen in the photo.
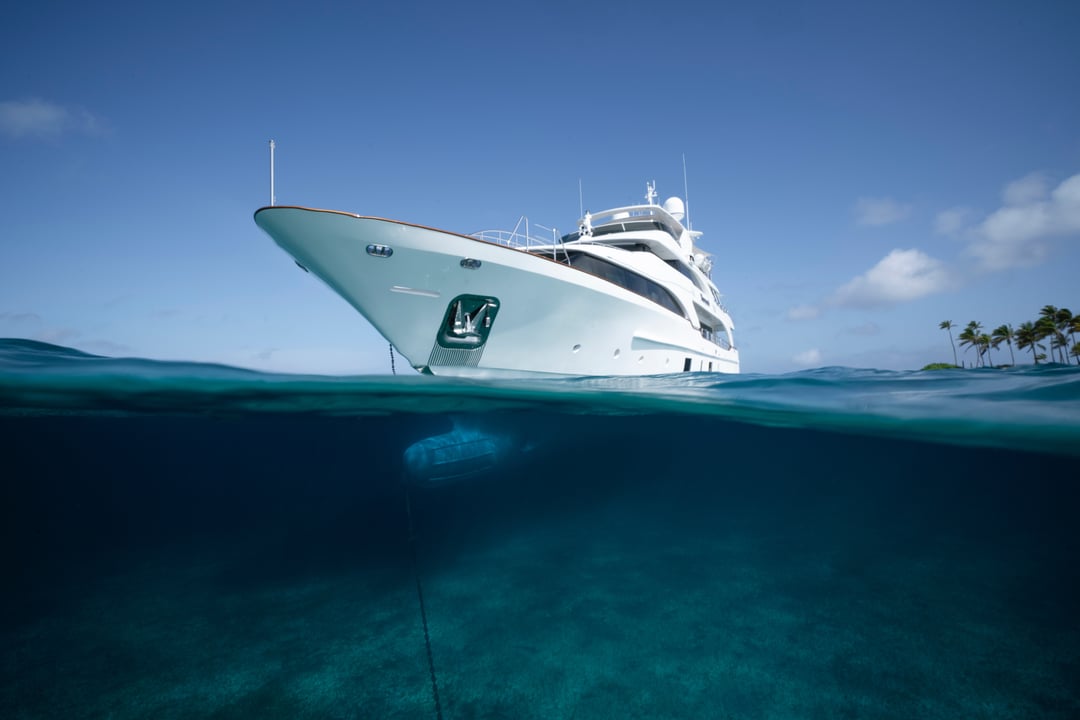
(186, 540)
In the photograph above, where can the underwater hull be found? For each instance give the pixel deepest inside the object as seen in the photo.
(464, 453)
(456, 305)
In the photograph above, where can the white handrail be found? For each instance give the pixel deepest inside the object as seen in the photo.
(517, 239)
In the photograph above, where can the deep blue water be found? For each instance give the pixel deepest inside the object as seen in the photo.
(184, 540)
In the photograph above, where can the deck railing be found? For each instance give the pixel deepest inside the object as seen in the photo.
(521, 236)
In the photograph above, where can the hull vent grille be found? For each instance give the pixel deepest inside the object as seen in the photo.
(453, 357)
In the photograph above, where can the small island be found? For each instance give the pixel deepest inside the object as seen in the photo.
(1054, 330)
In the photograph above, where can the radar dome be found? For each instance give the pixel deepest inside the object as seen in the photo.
(675, 208)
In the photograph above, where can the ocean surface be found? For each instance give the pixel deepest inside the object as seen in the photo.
(196, 541)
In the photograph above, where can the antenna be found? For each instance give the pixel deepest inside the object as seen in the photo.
(686, 193)
(273, 199)
(580, 199)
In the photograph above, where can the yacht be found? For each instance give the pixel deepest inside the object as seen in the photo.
(628, 293)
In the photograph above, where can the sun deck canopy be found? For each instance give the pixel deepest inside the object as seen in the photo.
(634, 218)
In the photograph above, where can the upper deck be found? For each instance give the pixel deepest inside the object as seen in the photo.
(594, 228)
(634, 218)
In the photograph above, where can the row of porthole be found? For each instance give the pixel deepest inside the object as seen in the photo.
(641, 358)
(617, 353)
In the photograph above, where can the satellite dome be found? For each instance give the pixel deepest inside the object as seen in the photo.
(675, 208)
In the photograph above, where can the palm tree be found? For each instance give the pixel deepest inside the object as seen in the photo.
(1059, 343)
(1005, 334)
(1047, 327)
(985, 341)
(1074, 327)
(947, 325)
(1058, 325)
(1044, 328)
(1028, 337)
(970, 337)
(1063, 318)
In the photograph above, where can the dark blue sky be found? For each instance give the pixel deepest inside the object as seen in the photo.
(862, 171)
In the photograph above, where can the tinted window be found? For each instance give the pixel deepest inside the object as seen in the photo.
(685, 270)
(627, 279)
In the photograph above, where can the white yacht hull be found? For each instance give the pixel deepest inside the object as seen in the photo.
(542, 317)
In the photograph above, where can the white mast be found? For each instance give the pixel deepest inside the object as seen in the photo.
(686, 194)
(273, 200)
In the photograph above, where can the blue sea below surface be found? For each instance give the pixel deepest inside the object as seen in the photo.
(188, 540)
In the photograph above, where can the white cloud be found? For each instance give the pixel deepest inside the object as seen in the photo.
(41, 118)
(1066, 202)
(1027, 189)
(807, 358)
(900, 276)
(952, 221)
(803, 312)
(1015, 235)
(880, 211)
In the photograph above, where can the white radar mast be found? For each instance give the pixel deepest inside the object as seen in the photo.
(650, 192)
